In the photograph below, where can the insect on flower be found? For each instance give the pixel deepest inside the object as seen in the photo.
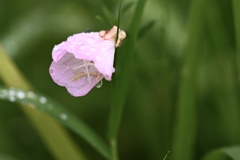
(84, 60)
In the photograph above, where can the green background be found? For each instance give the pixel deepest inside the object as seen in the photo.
(183, 85)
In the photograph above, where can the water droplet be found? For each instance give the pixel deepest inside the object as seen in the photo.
(4, 93)
(42, 100)
(2, 96)
(98, 58)
(51, 71)
(12, 99)
(92, 49)
(82, 48)
(99, 85)
(90, 40)
(63, 116)
(30, 95)
(20, 95)
(11, 93)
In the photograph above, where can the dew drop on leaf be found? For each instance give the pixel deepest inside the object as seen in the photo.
(20, 95)
(30, 94)
(12, 99)
(63, 116)
(43, 100)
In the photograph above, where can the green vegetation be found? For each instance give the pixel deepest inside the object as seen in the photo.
(175, 92)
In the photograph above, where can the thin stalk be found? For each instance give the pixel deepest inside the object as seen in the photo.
(123, 76)
(119, 18)
(185, 122)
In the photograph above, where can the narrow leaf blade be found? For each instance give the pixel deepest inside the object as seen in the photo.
(148, 26)
(225, 153)
(55, 110)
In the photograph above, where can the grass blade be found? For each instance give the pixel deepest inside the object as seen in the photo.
(232, 152)
(185, 122)
(108, 15)
(6, 157)
(102, 20)
(227, 73)
(127, 6)
(148, 26)
(12, 77)
(236, 12)
(8, 145)
(55, 110)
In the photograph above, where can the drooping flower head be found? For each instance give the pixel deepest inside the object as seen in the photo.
(84, 59)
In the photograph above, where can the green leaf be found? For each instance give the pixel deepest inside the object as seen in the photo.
(4, 156)
(236, 15)
(127, 6)
(11, 76)
(226, 70)
(126, 12)
(55, 110)
(8, 145)
(102, 20)
(109, 16)
(233, 152)
(144, 29)
(225, 153)
(186, 113)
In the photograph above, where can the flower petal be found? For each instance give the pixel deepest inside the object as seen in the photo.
(66, 72)
(58, 51)
(89, 46)
(104, 63)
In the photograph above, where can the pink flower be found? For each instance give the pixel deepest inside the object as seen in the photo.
(83, 60)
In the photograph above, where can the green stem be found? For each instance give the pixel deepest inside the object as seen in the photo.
(227, 97)
(236, 12)
(118, 21)
(185, 123)
(114, 150)
(123, 76)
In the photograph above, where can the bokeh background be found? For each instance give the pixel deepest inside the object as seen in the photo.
(184, 85)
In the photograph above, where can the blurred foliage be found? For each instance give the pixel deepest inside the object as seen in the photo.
(152, 115)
